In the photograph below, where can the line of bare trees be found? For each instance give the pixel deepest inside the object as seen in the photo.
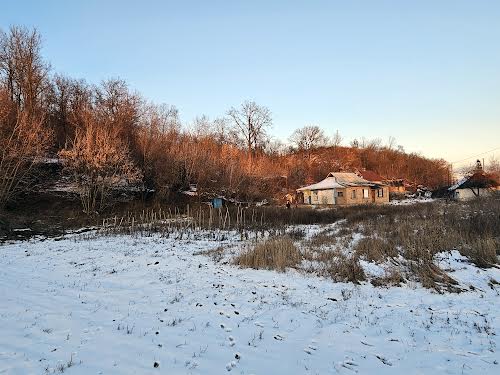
(24, 137)
(109, 136)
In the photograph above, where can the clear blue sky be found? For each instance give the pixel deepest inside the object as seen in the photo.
(424, 72)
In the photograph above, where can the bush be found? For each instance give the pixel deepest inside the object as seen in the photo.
(345, 268)
(375, 249)
(273, 254)
(433, 277)
(392, 277)
(482, 252)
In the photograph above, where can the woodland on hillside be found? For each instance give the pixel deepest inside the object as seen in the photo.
(107, 135)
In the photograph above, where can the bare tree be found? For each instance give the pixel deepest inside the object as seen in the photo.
(222, 133)
(23, 71)
(493, 165)
(98, 161)
(202, 126)
(24, 137)
(23, 141)
(251, 122)
(167, 117)
(336, 139)
(65, 97)
(275, 148)
(120, 108)
(308, 138)
(158, 141)
(391, 143)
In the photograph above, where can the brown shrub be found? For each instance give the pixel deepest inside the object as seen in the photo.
(321, 239)
(482, 251)
(433, 277)
(296, 234)
(345, 268)
(273, 254)
(375, 249)
(319, 255)
(392, 278)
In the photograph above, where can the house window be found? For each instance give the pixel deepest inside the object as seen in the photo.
(340, 194)
(380, 193)
(315, 195)
(365, 193)
(353, 194)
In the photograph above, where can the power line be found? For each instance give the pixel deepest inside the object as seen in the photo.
(475, 156)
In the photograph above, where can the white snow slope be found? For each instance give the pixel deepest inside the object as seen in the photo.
(118, 305)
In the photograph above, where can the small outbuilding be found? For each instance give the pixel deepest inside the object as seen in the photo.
(340, 188)
(397, 185)
(475, 185)
(217, 202)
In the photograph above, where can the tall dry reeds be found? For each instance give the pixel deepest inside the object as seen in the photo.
(273, 254)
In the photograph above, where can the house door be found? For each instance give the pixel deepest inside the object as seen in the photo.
(309, 199)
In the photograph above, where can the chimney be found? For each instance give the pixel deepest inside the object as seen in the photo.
(479, 166)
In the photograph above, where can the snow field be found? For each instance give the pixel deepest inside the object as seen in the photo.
(128, 305)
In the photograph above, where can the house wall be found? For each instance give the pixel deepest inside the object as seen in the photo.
(465, 194)
(306, 194)
(326, 197)
(320, 196)
(384, 198)
(359, 197)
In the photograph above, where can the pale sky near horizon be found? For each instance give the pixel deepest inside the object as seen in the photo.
(425, 72)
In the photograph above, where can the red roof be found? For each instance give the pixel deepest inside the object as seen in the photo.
(371, 176)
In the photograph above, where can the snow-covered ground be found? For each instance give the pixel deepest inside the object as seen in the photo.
(128, 305)
(410, 201)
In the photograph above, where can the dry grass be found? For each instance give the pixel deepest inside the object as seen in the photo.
(345, 268)
(296, 233)
(325, 238)
(375, 249)
(417, 233)
(215, 254)
(433, 277)
(473, 228)
(274, 254)
(392, 278)
(483, 251)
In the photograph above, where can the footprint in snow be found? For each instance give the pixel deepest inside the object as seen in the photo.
(227, 329)
(232, 342)
(383, 360)
(278, 337)
(349, 364)
(230, 365)
(310, 349)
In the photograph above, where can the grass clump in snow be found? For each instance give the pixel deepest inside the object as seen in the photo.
(482, 251)
(273, 254)
(392, 277)
(375, 249)
(345, 268)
